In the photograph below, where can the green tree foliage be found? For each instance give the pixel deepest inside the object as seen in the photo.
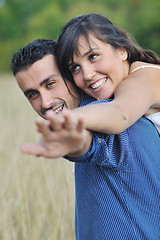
(45, 23)
(23, 20)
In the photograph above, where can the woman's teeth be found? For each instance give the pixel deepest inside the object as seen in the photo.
(98, 83)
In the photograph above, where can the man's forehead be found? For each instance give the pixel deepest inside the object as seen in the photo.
(40, 71)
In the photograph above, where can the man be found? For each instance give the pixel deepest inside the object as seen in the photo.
(116, 176)
(37, 74)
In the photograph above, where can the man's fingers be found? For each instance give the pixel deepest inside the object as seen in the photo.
(80, 125)
(72, 123)
(42, 127)
(46, 127)
(55, 121)
(69, 124)
(33, 149)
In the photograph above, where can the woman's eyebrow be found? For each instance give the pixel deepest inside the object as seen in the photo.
(85, 54)
(88, 52)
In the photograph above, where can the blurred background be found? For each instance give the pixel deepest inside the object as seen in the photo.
(37, 194)
(21, 21)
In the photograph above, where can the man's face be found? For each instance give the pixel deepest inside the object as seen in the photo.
(45, 89)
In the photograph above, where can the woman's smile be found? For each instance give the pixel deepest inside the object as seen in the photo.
(95, 86)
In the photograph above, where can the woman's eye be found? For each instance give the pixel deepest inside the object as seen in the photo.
(92, 57)
(74, 68)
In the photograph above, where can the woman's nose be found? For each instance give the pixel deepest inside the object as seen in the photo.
(88, 72)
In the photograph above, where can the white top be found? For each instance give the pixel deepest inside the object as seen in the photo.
(155, 117)
(145, 66)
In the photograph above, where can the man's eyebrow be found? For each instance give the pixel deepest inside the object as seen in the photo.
(46, 80)
(41, 84)
(29, 91)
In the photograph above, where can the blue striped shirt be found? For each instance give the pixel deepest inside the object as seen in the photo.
(117, 183)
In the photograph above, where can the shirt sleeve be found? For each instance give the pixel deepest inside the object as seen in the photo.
(105, 150)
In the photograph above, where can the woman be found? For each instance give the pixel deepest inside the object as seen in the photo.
(99, 56)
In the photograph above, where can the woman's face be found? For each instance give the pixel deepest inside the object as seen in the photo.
(98, 68)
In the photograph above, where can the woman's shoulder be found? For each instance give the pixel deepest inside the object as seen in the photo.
(141, 65)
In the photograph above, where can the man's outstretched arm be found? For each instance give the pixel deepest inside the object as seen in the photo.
(60, 136)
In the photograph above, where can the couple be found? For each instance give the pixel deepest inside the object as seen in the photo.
(116, 170)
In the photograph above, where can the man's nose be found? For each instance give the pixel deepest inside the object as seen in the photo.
(46, 100)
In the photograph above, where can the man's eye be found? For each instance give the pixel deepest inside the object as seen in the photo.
(32, 95)
(50, 84)
(92, 57)
(74, 68)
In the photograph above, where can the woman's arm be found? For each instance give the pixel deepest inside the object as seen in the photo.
(134, 97)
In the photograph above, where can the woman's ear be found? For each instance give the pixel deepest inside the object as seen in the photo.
(123, 53)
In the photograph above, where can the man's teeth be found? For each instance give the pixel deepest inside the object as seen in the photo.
(99, 83)
(58, 109)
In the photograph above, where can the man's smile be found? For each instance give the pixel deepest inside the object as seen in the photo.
(58, 109)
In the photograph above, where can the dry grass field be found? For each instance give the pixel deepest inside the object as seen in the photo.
(36, 194)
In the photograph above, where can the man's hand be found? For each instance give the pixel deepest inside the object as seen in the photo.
(60, 136)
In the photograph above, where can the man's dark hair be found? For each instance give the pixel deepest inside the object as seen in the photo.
(32, 52)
